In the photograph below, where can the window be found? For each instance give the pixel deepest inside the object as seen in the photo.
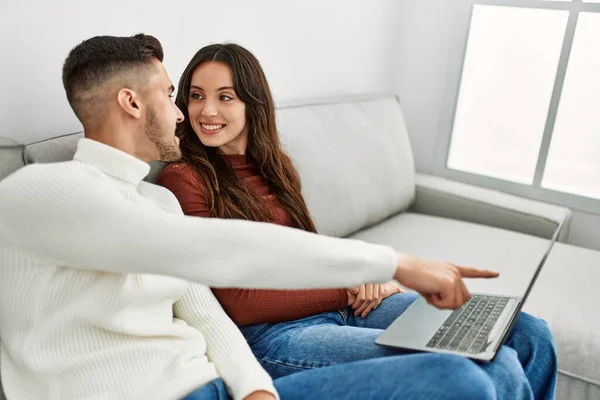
(524, 114)
(573, 163)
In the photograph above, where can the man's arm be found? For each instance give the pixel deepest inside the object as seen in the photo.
(83, 221)
(225, 345)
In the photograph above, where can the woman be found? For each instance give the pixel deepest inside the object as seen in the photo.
(233, 166)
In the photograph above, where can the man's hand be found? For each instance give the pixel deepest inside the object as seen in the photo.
(367, 297)
(440, 283)
(260, 395)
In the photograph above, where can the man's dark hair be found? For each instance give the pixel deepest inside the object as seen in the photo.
(96, 61)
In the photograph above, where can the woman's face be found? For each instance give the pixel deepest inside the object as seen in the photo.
(216, 114)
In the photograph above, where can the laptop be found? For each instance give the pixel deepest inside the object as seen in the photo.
(476, 330)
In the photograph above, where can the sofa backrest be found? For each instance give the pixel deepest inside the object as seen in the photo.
(353, 156)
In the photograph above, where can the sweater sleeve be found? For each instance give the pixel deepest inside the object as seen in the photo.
(77, 218)
(249, 306)
(225, 345)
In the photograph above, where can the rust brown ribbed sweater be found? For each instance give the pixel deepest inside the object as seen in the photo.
(251, 306)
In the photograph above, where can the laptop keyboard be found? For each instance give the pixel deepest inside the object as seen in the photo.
(467, 328)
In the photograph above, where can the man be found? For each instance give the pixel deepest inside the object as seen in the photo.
(96, 268)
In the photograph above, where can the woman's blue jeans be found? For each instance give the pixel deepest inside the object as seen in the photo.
(333, 355)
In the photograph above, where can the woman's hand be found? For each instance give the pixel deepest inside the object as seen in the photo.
(367, 297)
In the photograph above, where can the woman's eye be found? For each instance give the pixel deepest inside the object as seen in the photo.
(224, 97)
(196, 96)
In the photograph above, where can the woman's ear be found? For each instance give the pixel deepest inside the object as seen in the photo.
(129, 101)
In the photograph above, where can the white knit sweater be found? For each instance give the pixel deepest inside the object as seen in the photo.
(95, 299)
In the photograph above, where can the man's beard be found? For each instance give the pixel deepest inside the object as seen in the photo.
(167, 150)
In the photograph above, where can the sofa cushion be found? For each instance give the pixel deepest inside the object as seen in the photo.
(57, 149)
(11, 157)
(561, 296)
(565, 297)
(354, 158)
(570, 388)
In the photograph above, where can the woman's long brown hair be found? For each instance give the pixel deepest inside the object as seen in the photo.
(227, 195)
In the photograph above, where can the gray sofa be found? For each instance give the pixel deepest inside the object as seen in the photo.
(357, 169)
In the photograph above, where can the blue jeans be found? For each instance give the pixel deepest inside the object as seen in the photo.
(525, 368)
(410, 377)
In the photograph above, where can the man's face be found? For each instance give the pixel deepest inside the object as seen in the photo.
(162, 115)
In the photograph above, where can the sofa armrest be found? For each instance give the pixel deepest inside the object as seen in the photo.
(445, 198)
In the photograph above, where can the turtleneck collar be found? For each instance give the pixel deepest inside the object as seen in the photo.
(111, 161)
(238, 159)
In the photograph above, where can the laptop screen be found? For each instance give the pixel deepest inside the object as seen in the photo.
(542, 262)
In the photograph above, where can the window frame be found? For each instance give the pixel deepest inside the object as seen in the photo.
(450, 101)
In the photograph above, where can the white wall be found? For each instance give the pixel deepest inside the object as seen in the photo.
(307, 47)
(424, 47)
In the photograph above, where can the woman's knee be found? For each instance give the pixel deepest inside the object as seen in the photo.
(533, 331)
(508, 375)
(468, 380)
(449, 377)
(533, 325)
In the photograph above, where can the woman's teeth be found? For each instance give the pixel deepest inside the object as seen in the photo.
(212, 127)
